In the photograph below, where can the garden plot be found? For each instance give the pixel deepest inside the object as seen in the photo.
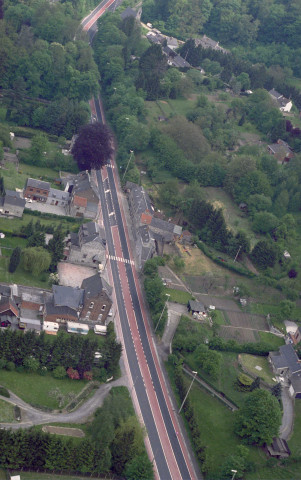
(241, 335)
(246, 320)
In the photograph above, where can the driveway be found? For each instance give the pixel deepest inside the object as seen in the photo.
(288, 414)
(72, 275)
(175, 310)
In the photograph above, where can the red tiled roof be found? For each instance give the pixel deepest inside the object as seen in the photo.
(146, 218)
(79, 201)
(30, 305)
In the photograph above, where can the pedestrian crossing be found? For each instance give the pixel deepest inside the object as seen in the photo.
(110, 165)
(120, 259)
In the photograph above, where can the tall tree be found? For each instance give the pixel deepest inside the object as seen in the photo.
(93, 146)
(2, 188)
(14, 260)
(35, 260)
(259, 419)
(56, 248)
(152, 66)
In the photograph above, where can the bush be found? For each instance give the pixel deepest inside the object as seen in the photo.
(244, 383)
(73, 374)
(10, 366)
(17, 412)
(4, 392)
(2, 363)
(59, 372)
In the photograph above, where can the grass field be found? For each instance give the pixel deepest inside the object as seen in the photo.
(295, 441)
(6, 413)
(20, 276)
(178, 296)
(34, 389)
(272, 340)
(250, 362)
(235, 219)
(14, 225)
(16, 179)
(49, 476)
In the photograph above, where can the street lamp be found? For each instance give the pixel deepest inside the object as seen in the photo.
(195, 374)
(168, 295)
(234, 473)
(131, 154)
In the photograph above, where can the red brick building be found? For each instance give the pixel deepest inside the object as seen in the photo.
(36, 190)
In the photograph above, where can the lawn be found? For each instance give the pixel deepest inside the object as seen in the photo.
(220, 318)
(273, 341)
(16, 179)
(20, 276)
(295, 441)
(252, 361)
(178, 296)
(227, 377)
(6, 412)
(34, 389)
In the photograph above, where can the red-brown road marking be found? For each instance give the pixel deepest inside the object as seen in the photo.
(97, 15)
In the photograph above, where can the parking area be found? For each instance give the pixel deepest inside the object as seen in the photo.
(45, 208)
(72, 275)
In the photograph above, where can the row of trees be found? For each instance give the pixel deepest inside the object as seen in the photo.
(64, 351)
(155, 292)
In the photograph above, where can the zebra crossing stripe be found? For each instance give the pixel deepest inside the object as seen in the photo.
(120, 259)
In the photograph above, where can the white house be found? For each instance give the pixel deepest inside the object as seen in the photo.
(284, 104)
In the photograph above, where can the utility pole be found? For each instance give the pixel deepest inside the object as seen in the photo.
(237, 253)
(162, 311)
(131, 154)
(195, 374)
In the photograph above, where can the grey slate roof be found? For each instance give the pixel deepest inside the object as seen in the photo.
(5, 290)
(196, 306)
(296, 382)
(12, 198)
(139, 198)
(74, 239)
(59, 194)
(81, 183)
(286, 358)
(280, 148)
(32, 182)
(59, 310)
(91, 231)
(162, 225)
(95, 285)
(67, 296)
(275, 94)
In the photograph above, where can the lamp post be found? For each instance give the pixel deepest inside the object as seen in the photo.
(195, 374)
(131, 154)
(234, 473)
(167, 294)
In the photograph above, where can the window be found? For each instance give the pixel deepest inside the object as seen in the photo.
(85, 255)
(31, 189)
(99, 316)
(91, 305)
(38, 191)
(103, 307)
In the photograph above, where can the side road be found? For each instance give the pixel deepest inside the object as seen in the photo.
(32, 416)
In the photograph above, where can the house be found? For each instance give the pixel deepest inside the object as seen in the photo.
(36, 190)
(281, 150)
(130, 12)
(97, 299)
(88, 246)
(65, 305)
(174, 60)
(12, 205)
(196, 307)
(284, 104)
(206, 42)
(172, 43)
(287, 366)
(9, 312)
(150, 233)
(278, 448)
(84, 196)
(58, 197)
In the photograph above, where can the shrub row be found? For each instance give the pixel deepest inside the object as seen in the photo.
(36, 213)
(237, 268)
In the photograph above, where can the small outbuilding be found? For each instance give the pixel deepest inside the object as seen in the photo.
(279, 448)
(195, 307)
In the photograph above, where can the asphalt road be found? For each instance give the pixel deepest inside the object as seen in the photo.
(168, 447)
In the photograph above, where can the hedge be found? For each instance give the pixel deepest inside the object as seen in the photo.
(237, 268)
(37, 213)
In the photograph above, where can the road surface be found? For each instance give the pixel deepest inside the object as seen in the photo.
(166, 445)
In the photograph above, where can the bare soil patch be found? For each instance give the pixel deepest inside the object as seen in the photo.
(72, 275)
(241, 335)
(69, 432)
(246, 320)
